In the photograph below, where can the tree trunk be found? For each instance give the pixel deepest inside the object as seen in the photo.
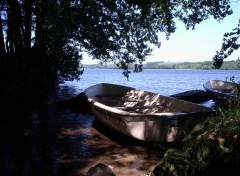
(27, 23)
(15, 29)
(2, 46)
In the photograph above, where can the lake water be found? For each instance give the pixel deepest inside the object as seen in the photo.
(41, 139)
(164, 81)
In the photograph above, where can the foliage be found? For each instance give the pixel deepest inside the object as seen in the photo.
(53, 35)
(213, 146)
(206, 65)
(230, 43)
(35, 49)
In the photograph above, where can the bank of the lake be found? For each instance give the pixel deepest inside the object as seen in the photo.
(205, 65)
(60, 142)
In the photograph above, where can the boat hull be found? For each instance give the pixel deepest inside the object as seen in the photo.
(221, 92)
(166, 123)
(151, 129)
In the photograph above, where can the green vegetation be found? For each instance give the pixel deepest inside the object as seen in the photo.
(229, 45)
(227, 65)
(207, 65)
(212, 148)
(41, 42)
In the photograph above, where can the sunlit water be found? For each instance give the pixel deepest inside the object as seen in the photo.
(166, 82)
(41, 139)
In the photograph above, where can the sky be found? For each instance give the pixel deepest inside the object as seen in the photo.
(196, 45)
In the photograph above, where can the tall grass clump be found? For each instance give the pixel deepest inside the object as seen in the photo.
(212, 148)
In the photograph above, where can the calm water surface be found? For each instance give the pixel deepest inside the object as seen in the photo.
(165, 82)
(52, 141)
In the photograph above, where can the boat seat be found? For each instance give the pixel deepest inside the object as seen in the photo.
(103, 96)
(140, 107)
(114, 98)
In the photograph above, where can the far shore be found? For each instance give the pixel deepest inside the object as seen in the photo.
(206, 65)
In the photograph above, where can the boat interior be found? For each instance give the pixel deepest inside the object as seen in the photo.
(133, 102)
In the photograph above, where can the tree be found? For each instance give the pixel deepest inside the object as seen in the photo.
(41, 41)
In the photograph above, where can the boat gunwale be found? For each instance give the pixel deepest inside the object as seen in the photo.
(122, 112)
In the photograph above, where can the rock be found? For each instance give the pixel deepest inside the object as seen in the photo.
(78, 103)
(100, 170)
(195, 96)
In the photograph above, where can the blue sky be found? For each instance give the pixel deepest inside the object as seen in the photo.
(200, 44)
(196, 45)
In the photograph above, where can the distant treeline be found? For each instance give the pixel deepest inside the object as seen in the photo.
(206, 65)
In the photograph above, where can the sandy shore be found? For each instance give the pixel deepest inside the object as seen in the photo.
(124, 155)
